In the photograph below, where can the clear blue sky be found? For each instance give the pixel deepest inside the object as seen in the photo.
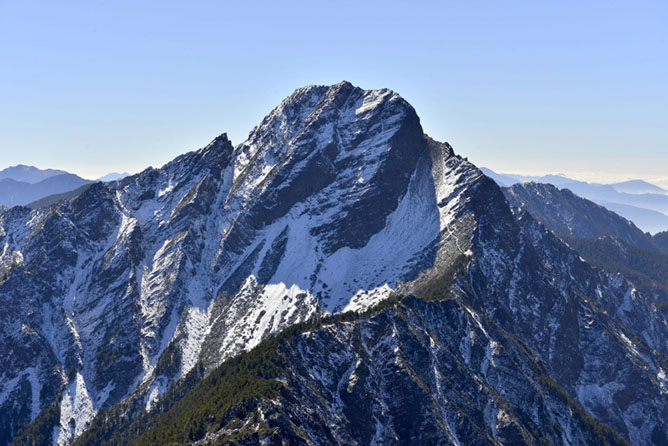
(530, 86)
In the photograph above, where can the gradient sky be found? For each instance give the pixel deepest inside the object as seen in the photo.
(519, 86)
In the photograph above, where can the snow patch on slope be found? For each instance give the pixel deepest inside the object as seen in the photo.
(196, 328)
(76, 411)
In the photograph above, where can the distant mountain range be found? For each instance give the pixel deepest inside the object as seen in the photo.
(28, 174)
(638, 187)
(13, 192)
(639, 201)
(628, 187)
(34, 187)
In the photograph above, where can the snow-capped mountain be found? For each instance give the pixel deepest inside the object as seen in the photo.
(335, 202)
(217, 250)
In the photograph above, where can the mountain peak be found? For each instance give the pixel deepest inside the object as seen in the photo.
(332, 94)
(220, 143)
(320, 108)
(318, 89)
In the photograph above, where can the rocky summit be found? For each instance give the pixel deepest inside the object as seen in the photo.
(338, 278)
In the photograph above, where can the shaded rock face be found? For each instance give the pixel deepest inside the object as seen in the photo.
(336, 200)
(661, 240)
(593, 331)
(603, 238)
(571, 216)
(435, 372)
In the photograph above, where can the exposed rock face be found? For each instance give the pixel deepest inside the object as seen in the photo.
(437, 372)
(661, 240)
(336, 200)
(571, 216)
